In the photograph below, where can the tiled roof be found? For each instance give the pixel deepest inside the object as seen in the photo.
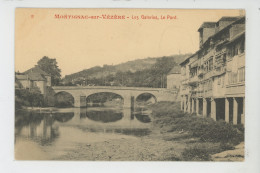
(36, 74)
(30, 76)
(236, 37)
(226, 18)
(21, 77)
(187, 59)
(37, 70)
(239, 19)
(207, 25)
(36, 77)
(175, 70)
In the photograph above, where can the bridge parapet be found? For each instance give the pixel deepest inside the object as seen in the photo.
(108, 87)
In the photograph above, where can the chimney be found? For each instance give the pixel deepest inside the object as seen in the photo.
(206, 30)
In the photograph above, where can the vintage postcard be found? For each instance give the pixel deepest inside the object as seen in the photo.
(130, 84)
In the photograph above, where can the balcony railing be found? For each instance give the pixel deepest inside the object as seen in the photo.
(200, 72)
(224, 40)
(236, 89)
(209, 74)
(219, 71)
(184, 91)
(209, 54)
(201, 93)
(221, 52)
(193, 80)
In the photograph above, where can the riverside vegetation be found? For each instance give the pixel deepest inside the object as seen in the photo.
(201, 136)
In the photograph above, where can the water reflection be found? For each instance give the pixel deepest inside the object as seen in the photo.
(63, 117)
(63, 128)
(36, 126)
(143, 118)
(105, 116)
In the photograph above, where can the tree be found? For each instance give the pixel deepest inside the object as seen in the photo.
(50, 66)
(26, 97)
(162, 67)
(35, 97)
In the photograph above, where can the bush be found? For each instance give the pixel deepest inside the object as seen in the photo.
(208, 130)
(25, 97)
(196, 154)
(164, 109)
(18, 103)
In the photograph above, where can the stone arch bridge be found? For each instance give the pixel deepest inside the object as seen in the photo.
(129, 94)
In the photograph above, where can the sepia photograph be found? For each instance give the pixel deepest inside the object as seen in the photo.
(100, 84)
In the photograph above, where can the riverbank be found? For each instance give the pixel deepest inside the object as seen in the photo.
(175, 136)
(202, 137)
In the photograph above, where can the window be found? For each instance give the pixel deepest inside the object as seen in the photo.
(233, 78)
(206, 66)
(34, 83)
(233, 50)
(210, 84)
(242, 46)
(237, 48)
(229, 77)
(183, 69)
(241, 74)
(223, 81)
(210, 64)
(224, 58)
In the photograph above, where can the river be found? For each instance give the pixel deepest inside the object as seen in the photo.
(95, 133)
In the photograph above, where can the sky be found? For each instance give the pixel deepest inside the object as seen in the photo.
(79, 44)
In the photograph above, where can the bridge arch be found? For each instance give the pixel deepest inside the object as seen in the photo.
(63, 99)
(107, 96)
(146, 97)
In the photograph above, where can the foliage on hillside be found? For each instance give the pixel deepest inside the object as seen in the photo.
(149, 72)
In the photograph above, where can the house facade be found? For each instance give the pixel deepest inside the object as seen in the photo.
(213, 78)
(173, 78)
(34, 77)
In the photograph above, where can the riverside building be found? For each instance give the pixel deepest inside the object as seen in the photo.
(213, 78)
(34, 77)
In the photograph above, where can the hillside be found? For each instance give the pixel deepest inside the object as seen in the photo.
(130, 73)
(97, 71)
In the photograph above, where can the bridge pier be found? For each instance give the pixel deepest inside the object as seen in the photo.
(80, 101)
(129, 102)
